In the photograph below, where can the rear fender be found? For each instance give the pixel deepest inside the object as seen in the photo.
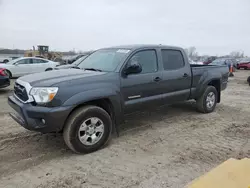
(203, 85)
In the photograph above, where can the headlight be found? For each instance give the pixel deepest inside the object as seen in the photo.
(43, 94)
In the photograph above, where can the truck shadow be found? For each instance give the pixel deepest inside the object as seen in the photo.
(30, 149)
(27, 149)
(149, 116)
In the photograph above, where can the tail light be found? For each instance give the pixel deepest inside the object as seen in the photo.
(2, 72)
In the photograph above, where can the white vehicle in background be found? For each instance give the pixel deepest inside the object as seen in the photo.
(28, 65)
(195, 62)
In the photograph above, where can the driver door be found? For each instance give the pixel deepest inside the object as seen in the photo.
(142, 90)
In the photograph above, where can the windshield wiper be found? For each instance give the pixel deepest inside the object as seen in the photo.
(93, 69)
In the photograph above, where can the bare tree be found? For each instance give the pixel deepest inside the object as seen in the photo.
(191, 52)
(237, 54)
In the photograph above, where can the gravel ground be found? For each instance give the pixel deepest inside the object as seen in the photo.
(166, 147)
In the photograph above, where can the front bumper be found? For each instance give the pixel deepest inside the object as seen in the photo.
(38, 118)
(4, 81)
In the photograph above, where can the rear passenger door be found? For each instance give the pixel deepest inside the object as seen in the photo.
(39, 65)
(142, 90)
(176, 76)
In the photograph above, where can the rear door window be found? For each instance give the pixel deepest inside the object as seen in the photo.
(172, 59)
(39, 61)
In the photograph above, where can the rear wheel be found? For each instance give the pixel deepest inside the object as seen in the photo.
(87, 129)
(48, 69)
(248, 80)
(208, 100)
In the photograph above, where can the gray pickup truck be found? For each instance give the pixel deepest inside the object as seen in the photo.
(87, 103)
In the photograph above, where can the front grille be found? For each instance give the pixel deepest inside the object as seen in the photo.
(21, 92)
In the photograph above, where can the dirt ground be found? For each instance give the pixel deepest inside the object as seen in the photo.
(167, 147)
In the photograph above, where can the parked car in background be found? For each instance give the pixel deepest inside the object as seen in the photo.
(4, 78)
(27, 65)
(73, 65)
(195, 62)
(244, 63)
(6, 60)
(209, 60)
(225, 61)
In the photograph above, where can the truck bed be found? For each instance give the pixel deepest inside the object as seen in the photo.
(201, 72)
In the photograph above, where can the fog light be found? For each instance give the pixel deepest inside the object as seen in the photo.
(43, 121)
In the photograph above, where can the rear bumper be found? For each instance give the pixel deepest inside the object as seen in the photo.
(37, 118)
(224, 85)
(4, 81)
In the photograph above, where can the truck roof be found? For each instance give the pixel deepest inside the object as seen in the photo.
(138, 46)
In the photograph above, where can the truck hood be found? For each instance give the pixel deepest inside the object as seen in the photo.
(50, 78)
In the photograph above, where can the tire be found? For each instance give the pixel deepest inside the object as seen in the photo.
(248, 80)
(72, 133)
(9, 73)
(49, 69)
(201, 102)
(5, 61)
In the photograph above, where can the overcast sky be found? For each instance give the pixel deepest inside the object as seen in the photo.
(212, 26)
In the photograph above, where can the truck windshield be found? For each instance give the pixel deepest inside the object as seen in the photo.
(78, 61)
(104, 60)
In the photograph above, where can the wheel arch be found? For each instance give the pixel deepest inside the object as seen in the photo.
(104, 103)
(9, 72)
(217, 84)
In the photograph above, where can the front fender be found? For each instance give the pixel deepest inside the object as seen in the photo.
(90, 95)
(101, 93)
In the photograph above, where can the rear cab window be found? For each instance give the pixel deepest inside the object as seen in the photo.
(172, 59)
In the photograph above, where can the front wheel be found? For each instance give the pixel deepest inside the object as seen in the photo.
(87, 129)
(206, 103)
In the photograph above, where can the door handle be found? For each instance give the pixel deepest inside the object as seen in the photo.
(157, 79)
(185, 75)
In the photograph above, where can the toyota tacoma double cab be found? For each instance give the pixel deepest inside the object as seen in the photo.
(88, 103)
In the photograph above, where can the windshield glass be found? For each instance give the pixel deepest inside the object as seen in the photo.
(105, 60)
(78, 61)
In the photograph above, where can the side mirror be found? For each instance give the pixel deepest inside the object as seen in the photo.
(133, 69)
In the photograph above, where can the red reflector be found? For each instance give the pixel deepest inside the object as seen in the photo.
(2, 72)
